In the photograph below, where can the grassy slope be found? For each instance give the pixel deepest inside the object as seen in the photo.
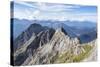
(69, 57)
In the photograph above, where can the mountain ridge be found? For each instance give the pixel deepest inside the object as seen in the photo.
(47, 46)
(54, 45)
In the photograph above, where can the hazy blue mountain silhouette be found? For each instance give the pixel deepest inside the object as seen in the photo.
(19, 26)
(87, 37)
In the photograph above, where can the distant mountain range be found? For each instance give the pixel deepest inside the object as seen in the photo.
(85, 30)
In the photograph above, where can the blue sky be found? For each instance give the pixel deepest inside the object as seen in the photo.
(52, 11)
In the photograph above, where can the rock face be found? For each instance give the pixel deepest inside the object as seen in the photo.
(33, 30)
(46, 46)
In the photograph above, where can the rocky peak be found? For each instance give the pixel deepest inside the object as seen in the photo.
(32, 30)
(48, 44)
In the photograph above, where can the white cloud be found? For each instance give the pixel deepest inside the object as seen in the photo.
(58, 16)
(59, 12)
(23, 3)
(53, 7)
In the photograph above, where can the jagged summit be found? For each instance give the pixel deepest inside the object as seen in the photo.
(32, 30)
